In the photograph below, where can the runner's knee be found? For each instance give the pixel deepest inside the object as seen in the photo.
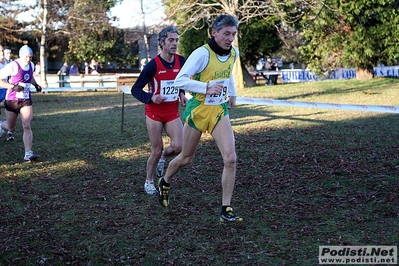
(230, 160)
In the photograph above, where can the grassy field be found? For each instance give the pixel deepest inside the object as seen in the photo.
(305, 177)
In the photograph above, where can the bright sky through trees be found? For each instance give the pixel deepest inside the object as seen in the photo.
(130, 14)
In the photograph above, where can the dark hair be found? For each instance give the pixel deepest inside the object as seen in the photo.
(224, 21)
(164, 33)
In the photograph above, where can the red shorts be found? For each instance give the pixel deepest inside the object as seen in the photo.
(163, 117)
(163, 113)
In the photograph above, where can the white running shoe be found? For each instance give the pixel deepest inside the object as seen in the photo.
(30, 157)
(149, 188)
(160, 167)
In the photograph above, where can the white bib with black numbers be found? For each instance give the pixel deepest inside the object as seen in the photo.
(168, 90)
(222, 97)
(25, 93)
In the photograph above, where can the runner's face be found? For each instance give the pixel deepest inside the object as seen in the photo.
(7, 55)
(170, 43)
(28, 59)
(225, 37)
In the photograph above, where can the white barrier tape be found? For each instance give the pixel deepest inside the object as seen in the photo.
(272, 102)
(126, 89)
(335, 106)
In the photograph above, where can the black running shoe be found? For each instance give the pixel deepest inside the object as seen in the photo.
(10, 136)
(163, 193)
(228, 217)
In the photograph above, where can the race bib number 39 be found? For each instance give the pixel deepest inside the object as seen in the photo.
(220, 98)
(168, 90)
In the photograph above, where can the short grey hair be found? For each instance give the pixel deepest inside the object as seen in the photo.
(224, 21)
(164, 33)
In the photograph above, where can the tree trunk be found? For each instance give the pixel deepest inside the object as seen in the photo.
(362, 73)
(147, 46)
(248, 79)
(43, 61)
(237, 70)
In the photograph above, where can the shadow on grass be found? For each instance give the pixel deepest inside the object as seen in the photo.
(331, 183)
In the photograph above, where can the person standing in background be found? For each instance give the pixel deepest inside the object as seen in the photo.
(93, 67)
(8, 55)
(87, 68)
(273, 78)
(37, 68)
(64, 70)
(73, 70)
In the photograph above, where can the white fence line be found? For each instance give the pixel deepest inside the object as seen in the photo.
(78, 81)
(335, 106)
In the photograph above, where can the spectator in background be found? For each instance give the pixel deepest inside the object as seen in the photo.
(7, 55)
(64, 69)
(260, 66)
(87, 68)
(273, 78)
(268, 67)
(93, 66)
(143, 62)
(292, 65)
(74, 70)
(268, 64)
(37, 68)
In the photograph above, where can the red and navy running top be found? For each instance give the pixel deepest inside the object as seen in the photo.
(159, 75)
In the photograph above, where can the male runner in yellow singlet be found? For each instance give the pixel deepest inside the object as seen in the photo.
(207, 74)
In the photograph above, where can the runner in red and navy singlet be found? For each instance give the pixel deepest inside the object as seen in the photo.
(162, 83)
(158, 73)
(161, 103)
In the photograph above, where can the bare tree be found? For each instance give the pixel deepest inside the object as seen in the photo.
(43, 64)
(11, 28)
(147, 46)
(194, 13)
(189, 13)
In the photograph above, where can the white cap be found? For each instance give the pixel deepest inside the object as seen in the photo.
(24, 51)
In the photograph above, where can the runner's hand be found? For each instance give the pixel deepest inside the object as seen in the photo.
(157, 99)
(38, 88)
(214, 89)
(17, 88)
